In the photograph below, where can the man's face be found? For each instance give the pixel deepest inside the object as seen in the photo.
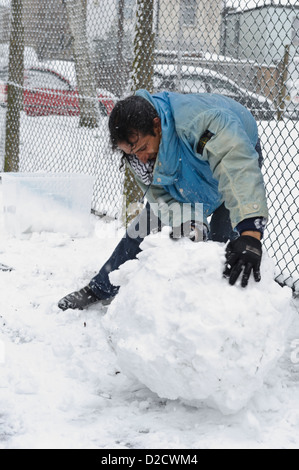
(145, 147)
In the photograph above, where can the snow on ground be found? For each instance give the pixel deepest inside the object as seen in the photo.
(61, 383)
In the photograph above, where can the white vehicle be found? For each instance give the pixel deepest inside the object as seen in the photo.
(190, 79)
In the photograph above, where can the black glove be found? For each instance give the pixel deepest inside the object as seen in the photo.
(194, 230)
(243, 253)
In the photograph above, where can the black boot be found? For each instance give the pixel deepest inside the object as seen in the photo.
(3, 267)
(79, 299)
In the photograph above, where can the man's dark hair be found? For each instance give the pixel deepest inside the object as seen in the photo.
(128, 116)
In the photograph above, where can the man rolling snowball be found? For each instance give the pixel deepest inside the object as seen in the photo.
(188, 149)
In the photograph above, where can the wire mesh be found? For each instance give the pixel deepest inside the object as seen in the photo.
(64, 64)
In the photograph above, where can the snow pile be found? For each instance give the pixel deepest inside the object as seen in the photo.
(47, 201)
(180, 329)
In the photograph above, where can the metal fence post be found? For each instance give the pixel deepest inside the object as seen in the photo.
(14, 87)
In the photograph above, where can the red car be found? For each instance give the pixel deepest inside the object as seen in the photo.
(48, 93)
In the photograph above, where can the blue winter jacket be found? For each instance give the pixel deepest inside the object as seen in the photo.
(227, 170)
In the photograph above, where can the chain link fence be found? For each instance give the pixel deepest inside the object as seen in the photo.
(64, 63)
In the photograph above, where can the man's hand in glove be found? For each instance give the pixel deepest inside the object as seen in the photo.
(195, 231)
(243, 254)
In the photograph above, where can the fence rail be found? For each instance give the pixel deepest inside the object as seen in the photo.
(63, 63)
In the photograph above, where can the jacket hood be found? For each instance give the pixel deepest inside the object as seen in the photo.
(169, 144)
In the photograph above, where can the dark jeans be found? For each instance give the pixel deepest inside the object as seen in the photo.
(129, 246)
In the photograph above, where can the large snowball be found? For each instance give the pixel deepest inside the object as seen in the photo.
(184, 332)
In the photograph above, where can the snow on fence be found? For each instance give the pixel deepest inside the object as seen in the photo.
(64, 63)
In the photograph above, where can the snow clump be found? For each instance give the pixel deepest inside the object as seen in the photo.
(182, 331)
